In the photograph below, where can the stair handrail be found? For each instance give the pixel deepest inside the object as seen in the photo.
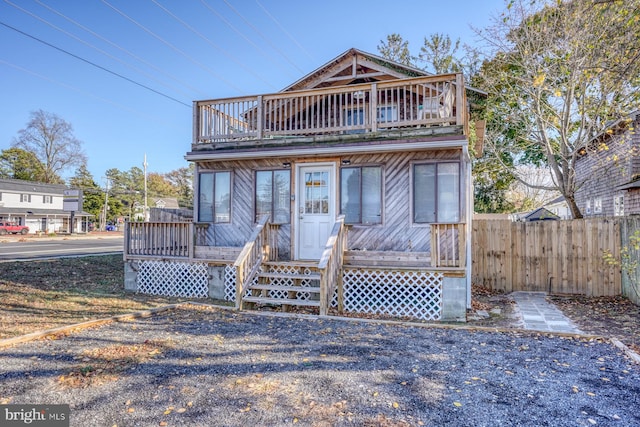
(250, 258)
(330, 264)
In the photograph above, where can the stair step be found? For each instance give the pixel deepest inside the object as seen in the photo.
(306, 264)
(269, 287)
(289, 276)
(282, 301)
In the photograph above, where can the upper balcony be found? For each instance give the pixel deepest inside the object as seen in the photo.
(423, 106)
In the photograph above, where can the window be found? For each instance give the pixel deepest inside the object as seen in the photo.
(47, 199)
(273, 195)
(436, 192)
(588, 207)
(361, 195)
(387, 114)
(26, 198)
(597, 205)
(618, 205)
(214, 197)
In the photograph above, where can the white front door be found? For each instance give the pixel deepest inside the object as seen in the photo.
(315, 209)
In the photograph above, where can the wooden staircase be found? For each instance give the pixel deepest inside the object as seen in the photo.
(285, 284)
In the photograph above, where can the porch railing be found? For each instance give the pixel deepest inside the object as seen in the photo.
(330, 266)
(448, 245)
(359, 108)
(248, 263)
(158, 239)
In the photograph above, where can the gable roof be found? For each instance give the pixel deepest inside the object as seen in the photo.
(541, 214)
(352, 67)
(21, 186)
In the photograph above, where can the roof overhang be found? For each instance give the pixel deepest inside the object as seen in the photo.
(217, 156)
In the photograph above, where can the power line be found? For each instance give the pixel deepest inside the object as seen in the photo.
(237, 31)
(203, 37)
(293, 39)
(263, 36)
(94, 64)
(122, 49)
(174, 48)
(107, 54)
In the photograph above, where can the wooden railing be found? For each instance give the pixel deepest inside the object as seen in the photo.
(248, 262)
(158, 239)
(368, 107)
(448, 245)
(330, 266)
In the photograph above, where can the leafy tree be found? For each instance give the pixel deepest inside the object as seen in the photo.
(396, 49)
(93, 195)
(559, 73)
(439, 52)
(16, 163)
(51, 140)
(182, 180)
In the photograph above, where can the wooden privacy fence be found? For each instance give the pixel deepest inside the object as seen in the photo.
(562, 257)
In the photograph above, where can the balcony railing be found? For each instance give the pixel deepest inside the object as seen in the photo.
(361, 108)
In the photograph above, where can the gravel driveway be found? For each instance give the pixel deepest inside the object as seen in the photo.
(199, 366)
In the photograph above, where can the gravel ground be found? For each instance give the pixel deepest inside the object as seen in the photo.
(198, 366)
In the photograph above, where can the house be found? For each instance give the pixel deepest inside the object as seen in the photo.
(559, 207)
(44, 208)
(608, 171)
(349, 190)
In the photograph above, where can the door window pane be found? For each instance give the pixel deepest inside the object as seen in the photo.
(316, 192)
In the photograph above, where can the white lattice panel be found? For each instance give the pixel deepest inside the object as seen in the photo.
(229, 282)
(174, 279)
(415, 294)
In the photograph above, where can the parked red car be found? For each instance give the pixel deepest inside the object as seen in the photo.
(13, 228)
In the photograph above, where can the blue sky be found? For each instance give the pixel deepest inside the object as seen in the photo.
(181, 51)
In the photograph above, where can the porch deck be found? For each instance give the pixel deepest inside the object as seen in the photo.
(424, 105)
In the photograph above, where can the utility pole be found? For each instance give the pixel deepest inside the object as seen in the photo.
(146, 208)
(106, 203)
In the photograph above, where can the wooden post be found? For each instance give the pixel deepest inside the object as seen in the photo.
(373, 101)
(260, 118)
(460, 107)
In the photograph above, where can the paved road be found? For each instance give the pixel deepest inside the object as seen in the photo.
(59, 247)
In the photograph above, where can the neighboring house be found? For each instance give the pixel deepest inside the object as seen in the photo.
(39, 206)
(609, 171)
(169, 203)
(350, 189)
(539, 214)
(559, 207)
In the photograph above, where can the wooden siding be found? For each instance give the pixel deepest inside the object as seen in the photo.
(396, 233)
(564, 257)
(607, 166)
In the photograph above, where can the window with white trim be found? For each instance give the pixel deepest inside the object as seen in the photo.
(47, 199)
(361, 194)
(214, 197)
(25, 198)
(618, 205)
(587, 207)
(273, 195)
(436, 193)
(597, 205)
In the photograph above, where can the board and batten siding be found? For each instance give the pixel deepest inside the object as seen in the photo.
(396, 233)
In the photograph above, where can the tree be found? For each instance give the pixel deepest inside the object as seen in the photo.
(16, 163)
(182, 180)
(559, 73)
(51, 140)
(396, 49)
(439, 52)
(93, 196)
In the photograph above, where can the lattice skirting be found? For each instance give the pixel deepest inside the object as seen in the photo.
(175, 279)
(416, 294)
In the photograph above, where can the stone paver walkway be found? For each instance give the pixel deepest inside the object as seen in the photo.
(540, 315)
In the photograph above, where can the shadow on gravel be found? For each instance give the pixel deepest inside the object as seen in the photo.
(198, 366)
